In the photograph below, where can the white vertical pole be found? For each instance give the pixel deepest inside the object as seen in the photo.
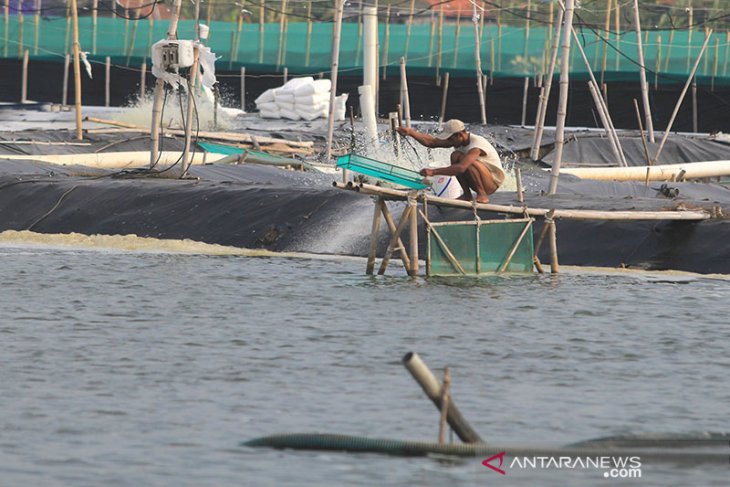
(563, 98)
(404, 97)
(335, 64)
(370, 48)
(24, 79)
(77, 68)
(66, 63)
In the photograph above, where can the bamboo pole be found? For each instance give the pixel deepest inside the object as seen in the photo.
(282, 18)
(499, 40)
(413, 238)
(552, 238)
(233, 48)
(286, 74)
(262, 19)
(669, 50)
(520, 188)
(439, 42)
(77, 69)
(704, 69)
(478, 62)
(21, 37)
(333, 71)
(150, 32)
(107, 81)
(642, 74)
(690, 12)
(695, 116)
(374, 232)
(409, 27)
(404, 220)
(143, 79)
(456, 40)
(727, 49)
(360, 21)
(24, 79)
(481, 21)
(563, 97)
(602, 115)
(94, 14)
(190, 106)
(605, 44)
(386, 43)
(444, 95)
(431, 36)
(404, 97)
(515, 246)
(285, 49)
(545, 94)
(681, 98)
(133, 38)
(714, 62)
(308, 47)
(6, 11)
(445, 396)
(209, 11)
(37, 26)
(658, 64)
(491, 56)
(641, 132)
(64, 96)
(617, 20)
(237, 47)
(430, 385)
(392, 228)
(525, 91)
(243, 88)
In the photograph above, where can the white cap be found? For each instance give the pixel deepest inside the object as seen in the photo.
(450, 128)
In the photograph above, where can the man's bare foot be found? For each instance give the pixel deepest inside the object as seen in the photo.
(483, 199)
(464, 197)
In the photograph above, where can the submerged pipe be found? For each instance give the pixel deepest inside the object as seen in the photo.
(431, 386)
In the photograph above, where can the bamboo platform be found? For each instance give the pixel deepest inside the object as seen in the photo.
(409, 219)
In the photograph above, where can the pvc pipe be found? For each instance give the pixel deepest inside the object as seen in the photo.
(24, 79)
(367, 107)
(430, 385)
(405, 99)
(370, 49)
(664, 172)
(113, 160)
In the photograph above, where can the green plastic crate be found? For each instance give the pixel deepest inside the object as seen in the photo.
(480, 247)
(381, 170)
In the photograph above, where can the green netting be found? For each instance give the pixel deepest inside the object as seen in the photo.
(505, 51)
(381, 170)
(485, 254)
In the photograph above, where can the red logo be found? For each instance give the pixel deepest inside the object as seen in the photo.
(501, 460)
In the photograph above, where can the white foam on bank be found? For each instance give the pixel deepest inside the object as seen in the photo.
(135, 244)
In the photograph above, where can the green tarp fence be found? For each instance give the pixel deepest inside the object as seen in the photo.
(505, 51)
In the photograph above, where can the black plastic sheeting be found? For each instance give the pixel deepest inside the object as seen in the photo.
(584, 149)
(263, 207)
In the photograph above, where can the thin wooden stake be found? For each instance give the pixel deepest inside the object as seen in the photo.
(520, 189)
(515, 245)
(714, 62)
(64, 96)
(545, 95)
(641, 131)
(642, 74)
(243, 88)
(525, 91)
(36, 32)
(375, 231)
(308, 47)
(445, 395)
(658, 64)
(413, 238)
(94, 14)
(386, 44)
(408, 29)
(444, 95)
(133, 39)
(456, 40)
(107, 81)
(77, 69)
(477, 58)
(24, 79)
(143, 79)
(262, 19)
(404, 219)
(333, 76)
(439, 42)
(552, 233)
(6, 11)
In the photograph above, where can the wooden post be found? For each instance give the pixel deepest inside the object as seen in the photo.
(143, 79)
(243, 89)
(430, 39)
(641, 132)
(284, 49)
(617, 20)
(308, 47)
(444, 95)
(133, 39)
(408, 29)
(727, 49)
(64, 96)
(552, 235)
(77, 69)
(239, 28)
(94, 14)
(333, 71)
(642, 74)
(681, 98)
(360, 21)
(107, 81)
(605, 44)
(602, 115)
(404, 98)
(24, 79)
(439, 42)
(21, 42)
(150, 32)
(478, 62)
(520, 189)
(6, 11)
(413, 239)
(545, 95)
(669, 50)
(190, 107)
(714, 62)
(445, 394)
(456, 40)
(690, 12)
(262, 18)
(404, 220)
(375, 231)
(658, 61)
(36, 32)
(563, 98)
(525, 91)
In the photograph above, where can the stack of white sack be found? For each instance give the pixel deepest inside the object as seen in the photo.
(300, 99)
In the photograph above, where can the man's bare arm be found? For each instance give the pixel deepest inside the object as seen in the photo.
(455, 169)
(424, 139)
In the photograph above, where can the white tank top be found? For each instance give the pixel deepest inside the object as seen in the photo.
(489, 157)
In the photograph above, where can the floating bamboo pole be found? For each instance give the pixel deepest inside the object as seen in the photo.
(444, 95)
(243, 88)
(642, 74)
(308, 47)
(430, 385)
(340, 4)
(563, 97)
(94, 14)
(545, 94)
(659, 173)
(24, 79)
(681, 98)
(77, 69)
(37, 26)
(107, 80)
(64, 96)
(478, 63)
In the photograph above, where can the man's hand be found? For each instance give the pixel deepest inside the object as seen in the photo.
(426, 172)
(404, 131)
